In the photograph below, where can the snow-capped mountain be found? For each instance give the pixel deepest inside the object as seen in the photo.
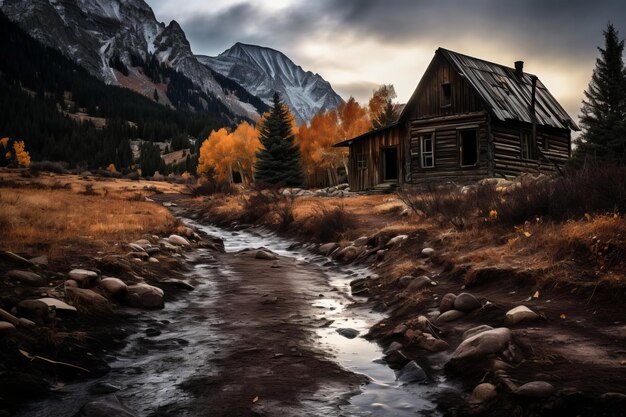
(264, 70)
(122, 43)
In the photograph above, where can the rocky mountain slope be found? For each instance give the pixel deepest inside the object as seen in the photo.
(264, 70)
(122, 43)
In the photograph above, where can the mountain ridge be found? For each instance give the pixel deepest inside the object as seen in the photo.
(122, 43)
(263, 70)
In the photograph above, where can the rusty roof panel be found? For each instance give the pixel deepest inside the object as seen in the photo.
(508, 96)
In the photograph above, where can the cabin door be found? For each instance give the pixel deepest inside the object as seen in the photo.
(390, 164)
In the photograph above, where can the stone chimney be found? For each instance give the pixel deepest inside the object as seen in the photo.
(519, 68)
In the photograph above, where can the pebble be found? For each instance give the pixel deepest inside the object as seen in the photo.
(348, 333)
(519, 314)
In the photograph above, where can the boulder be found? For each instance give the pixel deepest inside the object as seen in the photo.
(136, 248)
(536, 389)
(106, 407)
(26, 278)
(139, 255)
(405, 280)
(362, 241)
(483, 393)
(447, 302)
(482, 344)
(70, 283)
(143, 243)
(58, 305)
(349, 253)
(466, 302)
(392, 347)
(412, 372)
(86, 298)
(177, 240)
(450, 315)
(430, 343)
(144, 296)
(396, 359)
(420, 323)
(419, 283)
(328, 248)
(112, 286)
(6, 327)
(34, 310)
(519, 314)
(396, 240)
(266, 255)
(475, 330)
(153, 260)
(348, 333)
(177, 283)
(428, 252)
(399, 329)
(83, 277)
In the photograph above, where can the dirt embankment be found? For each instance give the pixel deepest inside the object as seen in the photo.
(560, 353)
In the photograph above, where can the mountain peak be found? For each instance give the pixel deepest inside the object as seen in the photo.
(262, 70)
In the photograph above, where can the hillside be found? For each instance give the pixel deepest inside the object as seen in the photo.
(37, 81)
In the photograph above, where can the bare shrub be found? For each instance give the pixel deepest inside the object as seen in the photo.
(329, 224)
(211, 186)
(48, 166)
(594, 188)
(89, 190)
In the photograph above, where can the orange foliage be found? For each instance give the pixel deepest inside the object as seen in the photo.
(246, 145)
(224, 153)
(21, 155)
(326, 129)
(216, 154)
(380, 97)
(111, 168)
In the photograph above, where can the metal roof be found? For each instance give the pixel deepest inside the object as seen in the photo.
(508, 96)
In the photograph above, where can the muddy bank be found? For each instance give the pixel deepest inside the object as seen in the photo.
(563, 356)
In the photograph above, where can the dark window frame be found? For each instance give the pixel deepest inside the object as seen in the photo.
(361, 162)
(423, 137)
(446, 95)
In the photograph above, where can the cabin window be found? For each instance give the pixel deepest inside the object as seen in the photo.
(527, 150)
(361, 162)
(427, 143)
(468, 147)
(446, 94)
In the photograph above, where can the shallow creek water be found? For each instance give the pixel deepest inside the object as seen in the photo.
(177, 342)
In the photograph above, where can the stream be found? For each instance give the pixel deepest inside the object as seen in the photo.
(171, 345)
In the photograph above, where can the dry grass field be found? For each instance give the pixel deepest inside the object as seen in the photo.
(57, 215)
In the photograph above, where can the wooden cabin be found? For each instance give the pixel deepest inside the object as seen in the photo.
(467, 119)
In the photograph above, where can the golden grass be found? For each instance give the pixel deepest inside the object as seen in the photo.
(55, 221)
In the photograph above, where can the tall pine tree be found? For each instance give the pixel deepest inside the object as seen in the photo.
(278, 161)
(604, 108)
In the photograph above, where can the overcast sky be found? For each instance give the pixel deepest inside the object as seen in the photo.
(357, 45)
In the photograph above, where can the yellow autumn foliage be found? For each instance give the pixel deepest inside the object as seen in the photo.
(21, 155)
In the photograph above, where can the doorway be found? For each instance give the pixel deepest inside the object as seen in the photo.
(390, 164)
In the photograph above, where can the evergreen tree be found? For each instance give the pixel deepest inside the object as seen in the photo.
(388, 116)
(604, 108)
(278, 161)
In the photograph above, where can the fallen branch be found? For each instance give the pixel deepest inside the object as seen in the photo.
(41, 358)
(9, 317)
